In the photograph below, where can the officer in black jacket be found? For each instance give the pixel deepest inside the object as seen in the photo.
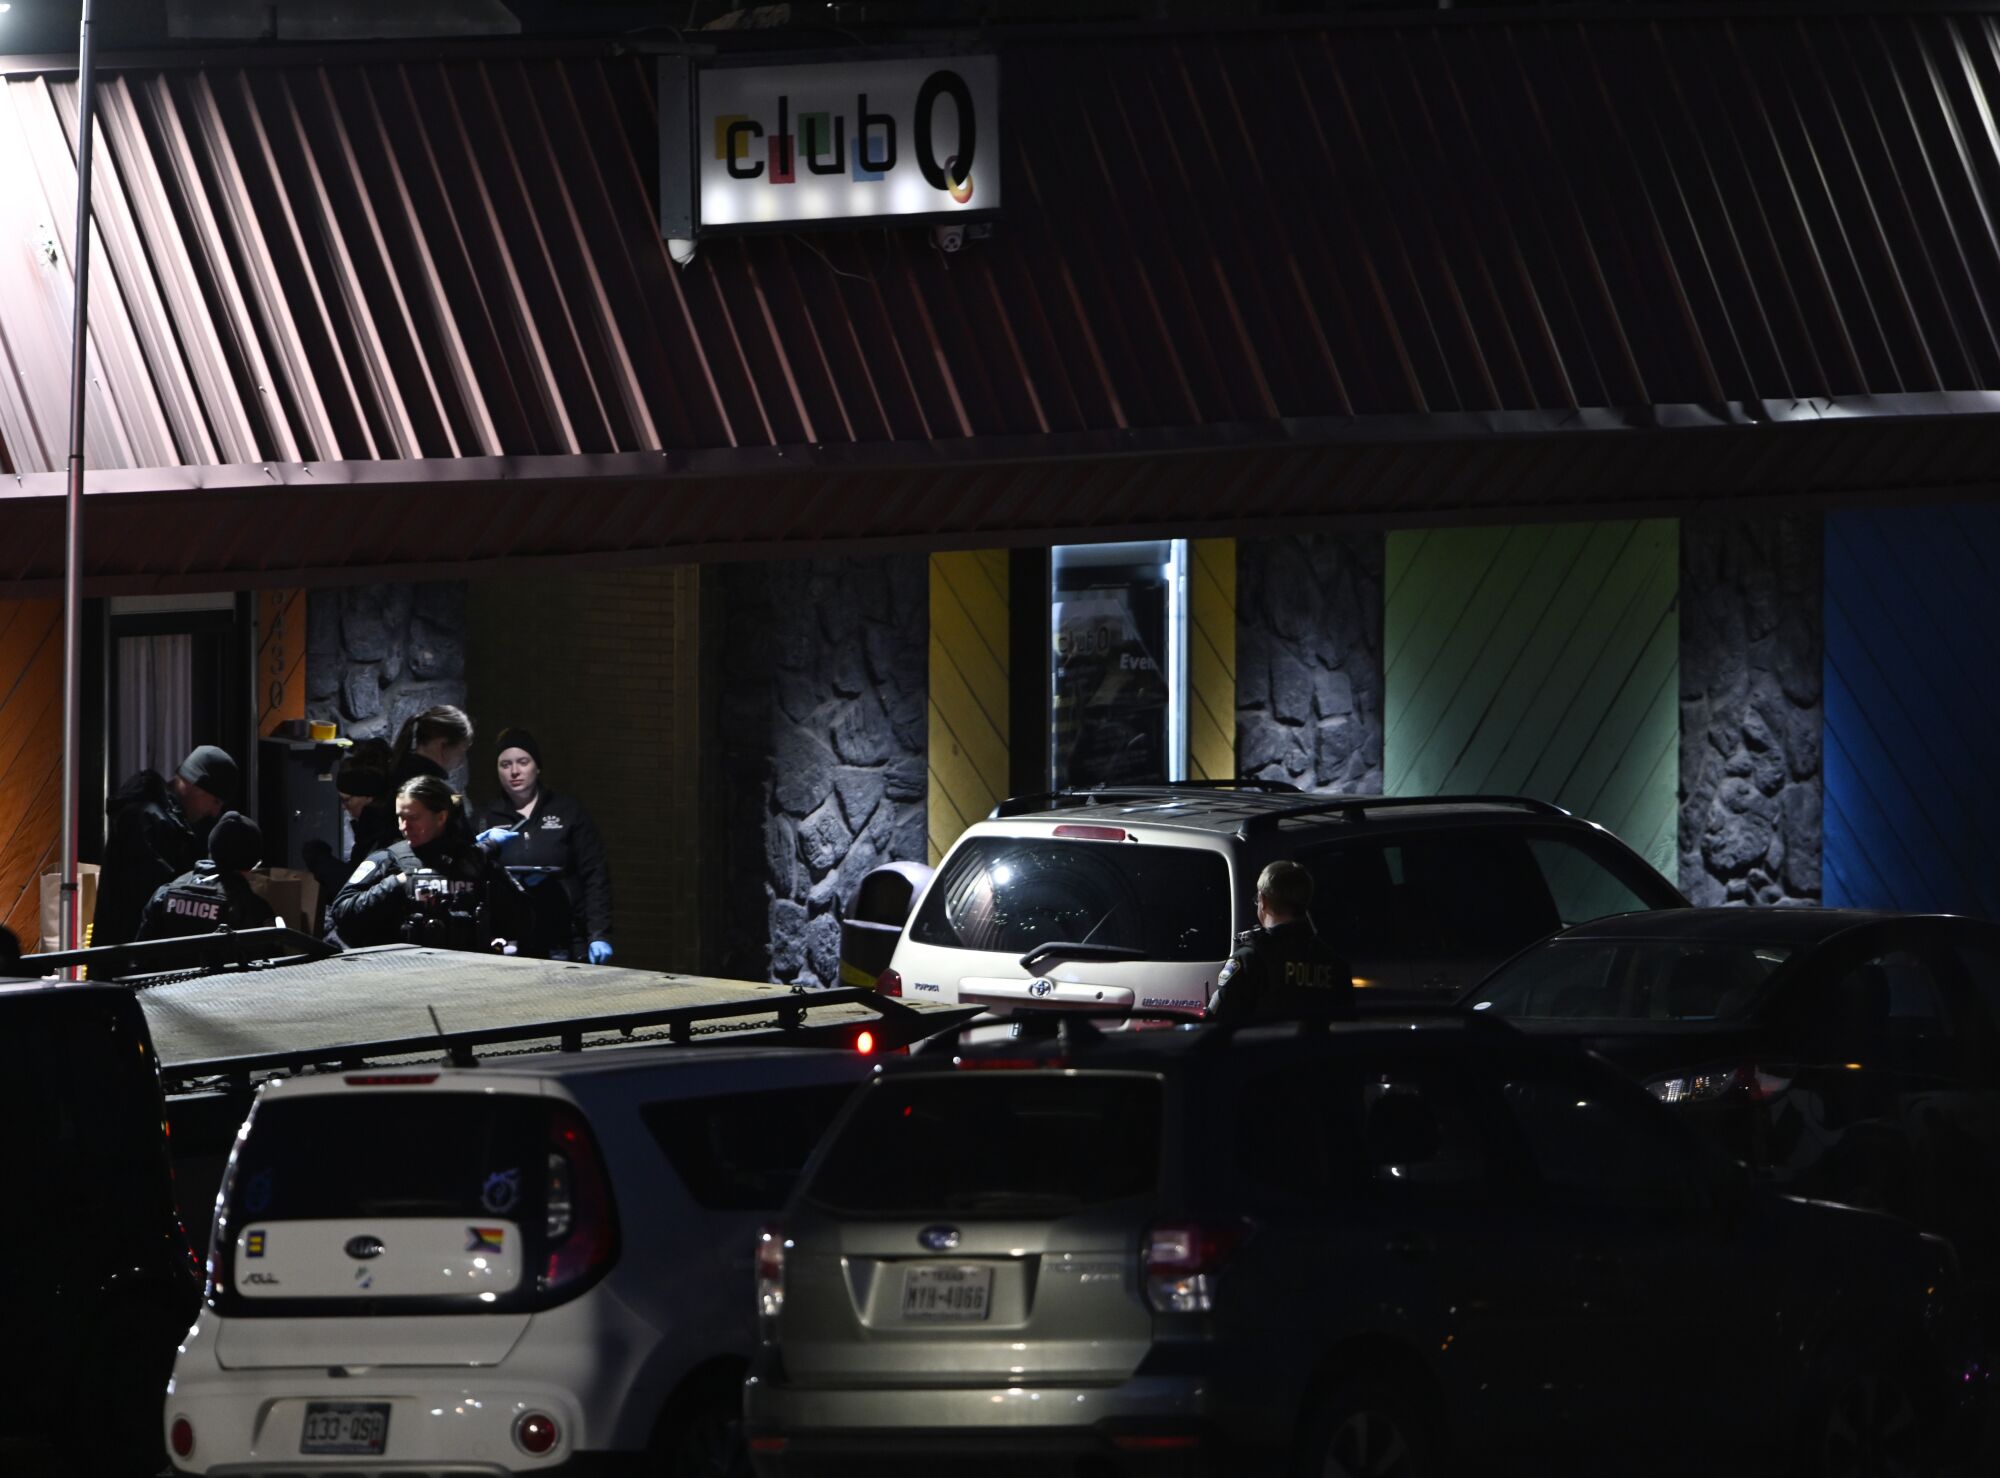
(1283, 970)
(439, 886)
(559, 859)
(216, 893)
(158, 829)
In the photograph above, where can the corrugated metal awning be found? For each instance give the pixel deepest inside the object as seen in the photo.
(362, 314)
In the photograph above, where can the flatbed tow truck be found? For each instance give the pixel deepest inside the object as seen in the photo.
(227, 1011)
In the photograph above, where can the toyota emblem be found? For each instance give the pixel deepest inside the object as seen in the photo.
(364, 1247)
(1041, 987)
(939, 1239)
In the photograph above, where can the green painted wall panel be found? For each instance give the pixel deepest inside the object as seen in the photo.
(1540, 661)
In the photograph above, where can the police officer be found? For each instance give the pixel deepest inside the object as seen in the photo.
(439, 885)
(560, 857)
(157, 830)
(216, 893)
(1283, 970)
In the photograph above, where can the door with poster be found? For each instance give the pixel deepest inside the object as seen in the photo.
(1116, 665)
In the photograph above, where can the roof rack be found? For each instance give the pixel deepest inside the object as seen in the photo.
(1355, 807)
(187, 954)
(1160, 790)
(899, 1024)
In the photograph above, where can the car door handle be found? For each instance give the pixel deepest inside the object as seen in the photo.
(1408, 1244)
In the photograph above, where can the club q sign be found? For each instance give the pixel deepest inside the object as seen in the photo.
(915, 138)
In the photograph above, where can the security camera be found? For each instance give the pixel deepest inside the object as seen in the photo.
(681, 250)
(948, 238)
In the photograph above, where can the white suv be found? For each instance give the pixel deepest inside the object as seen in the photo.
(1129, 897)
(496, 1269)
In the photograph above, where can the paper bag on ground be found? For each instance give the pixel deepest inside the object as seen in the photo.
(86, 881)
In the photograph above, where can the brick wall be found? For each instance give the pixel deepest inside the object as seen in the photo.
(604, 669)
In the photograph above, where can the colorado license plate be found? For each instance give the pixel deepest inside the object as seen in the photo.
(946, 1292)
(347, 1428)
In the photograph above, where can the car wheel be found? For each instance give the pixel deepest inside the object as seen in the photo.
(1364, 1430)
(701, 1434)
(1867, 1426)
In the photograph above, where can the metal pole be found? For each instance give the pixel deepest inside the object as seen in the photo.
(72, 726)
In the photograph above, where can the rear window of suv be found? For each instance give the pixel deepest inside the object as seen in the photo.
(1010, 894)
(1004, 1142)
(383, 1155)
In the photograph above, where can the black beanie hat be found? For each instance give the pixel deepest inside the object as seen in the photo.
(357, 777)
(235, 842)
(518, 739)
(213, 770)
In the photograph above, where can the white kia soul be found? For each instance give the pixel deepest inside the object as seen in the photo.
(1130, 897)
(497, 1269)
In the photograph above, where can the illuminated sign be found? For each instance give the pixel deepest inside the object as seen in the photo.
(911, 138)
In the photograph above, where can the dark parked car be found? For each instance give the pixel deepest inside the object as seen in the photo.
(102, 1283)
(1854, 1056)
(1357, 1249)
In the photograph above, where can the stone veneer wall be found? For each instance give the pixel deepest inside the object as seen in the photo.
(824, 685)
(1752, 649)
(375, 654)
(1309, 661)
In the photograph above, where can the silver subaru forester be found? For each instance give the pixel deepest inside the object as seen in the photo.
(1333, 1251)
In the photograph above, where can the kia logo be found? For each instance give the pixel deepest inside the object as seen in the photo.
(939, 1239)
(364, 1247)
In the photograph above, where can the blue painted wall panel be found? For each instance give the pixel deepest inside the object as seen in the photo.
(1913, 709)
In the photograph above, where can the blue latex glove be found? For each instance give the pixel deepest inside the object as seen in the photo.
(600, 952)
(498, 836)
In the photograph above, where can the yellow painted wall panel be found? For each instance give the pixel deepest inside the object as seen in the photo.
(1212, 659)
(968, 760)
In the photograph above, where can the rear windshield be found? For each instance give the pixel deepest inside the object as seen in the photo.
(1008, 1142)
(382, 1155)
(1633, 980)
(1010, 894)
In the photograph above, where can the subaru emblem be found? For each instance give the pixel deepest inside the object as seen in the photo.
(364, 1247)
(939, 1239)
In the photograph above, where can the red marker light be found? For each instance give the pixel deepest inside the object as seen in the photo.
(181, 1438)
(865, 1043)
(536, 1433)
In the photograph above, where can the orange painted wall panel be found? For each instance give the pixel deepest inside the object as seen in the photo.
(281, 657)
(30, 758)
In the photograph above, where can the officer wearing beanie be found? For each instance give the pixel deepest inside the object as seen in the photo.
(157, 828)
(559, 857)
(1282, 970)
(215, 893)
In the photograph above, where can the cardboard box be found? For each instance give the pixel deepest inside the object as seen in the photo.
(293, 894)
(86, 882)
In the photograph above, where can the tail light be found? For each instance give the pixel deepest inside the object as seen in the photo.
(771, 1245)
(536, 1433)
(889, 983)
(1180, 1262)
(582, 1230)
(1713, 1084)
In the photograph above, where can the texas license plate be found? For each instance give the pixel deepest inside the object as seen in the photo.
(346, 1428)
(947, 1292)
